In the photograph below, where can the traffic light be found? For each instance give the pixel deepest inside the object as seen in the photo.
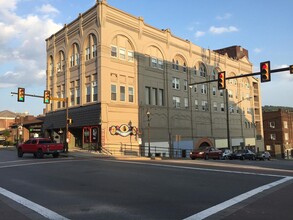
(265, 71)
(47, 97)
(222, 80)
(291, 69)
(20, 94)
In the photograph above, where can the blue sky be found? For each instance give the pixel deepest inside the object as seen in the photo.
(263, 27)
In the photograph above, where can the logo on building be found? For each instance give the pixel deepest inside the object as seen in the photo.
(123, 130)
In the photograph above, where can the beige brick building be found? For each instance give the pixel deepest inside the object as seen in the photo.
(114, 68)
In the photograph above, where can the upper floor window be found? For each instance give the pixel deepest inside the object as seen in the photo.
(74, 58)
(176, 102)
(114, 51)
(176, 83)
(184, 67)
(285, 124)
(122, 53)
(91, 47)
(202, 70)
(272, 124)
(204, 89)
(130, 55)
(113, 92)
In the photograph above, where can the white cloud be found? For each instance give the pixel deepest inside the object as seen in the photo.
(257, 50)
(224, 17)
(221, 30)
(199, 34)
(48, 9)
(23, 46)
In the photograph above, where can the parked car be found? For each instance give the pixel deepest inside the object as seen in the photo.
(263, 155)
(40, 146)
(243, 154)
(206, 153)
(226, 154)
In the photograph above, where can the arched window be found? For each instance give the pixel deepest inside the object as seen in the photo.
(61, 61)
(91, 47)
(202, 70)
(74, 57)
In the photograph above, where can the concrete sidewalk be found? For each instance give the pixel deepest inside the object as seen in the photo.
(81, 153)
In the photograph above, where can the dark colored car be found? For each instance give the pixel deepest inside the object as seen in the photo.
(206, 153)
(263, 155)
(243, 154)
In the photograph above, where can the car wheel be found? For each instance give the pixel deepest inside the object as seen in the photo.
(19, 152)
(40, 153)
(206, 157)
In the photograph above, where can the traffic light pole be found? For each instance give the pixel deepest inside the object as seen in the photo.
(228, 120)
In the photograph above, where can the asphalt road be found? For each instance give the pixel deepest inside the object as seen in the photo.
(98, 188)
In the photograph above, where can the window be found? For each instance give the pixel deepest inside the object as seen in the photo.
(202, 70)
(130, 56)
(94, 50)
(160, 64)
(273, 136)
(87, 53)
(186, 102)
(176, 102)
(204, 105)
(88, 93)
(113, 92)
(184, 67)
(185, 85)
(221, 92)
(130, 94)
(77, 93)
(71, 60)
(71, 97)
(113, 51)
(215, 106)
(161, 97)
(177, 65)
(154, 96)
(175, 83)
(122, 53)
(196, 104)
(285, 124)
(195, 88)
(286, 136)
(203, 89)
(95, 91)
(154, 62)
(222, 107)
(272, 124)
(214, 90)
(122, 93)
(147, 95)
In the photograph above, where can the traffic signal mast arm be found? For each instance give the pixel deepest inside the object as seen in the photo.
(40, 96)
(244, 75)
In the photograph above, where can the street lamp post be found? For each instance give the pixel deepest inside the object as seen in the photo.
(148, 115)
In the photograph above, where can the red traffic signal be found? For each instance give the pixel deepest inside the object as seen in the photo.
(20, 94)
(47, 97)
(265, 71)
(222, 80)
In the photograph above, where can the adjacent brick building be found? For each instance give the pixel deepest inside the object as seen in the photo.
(278, 132)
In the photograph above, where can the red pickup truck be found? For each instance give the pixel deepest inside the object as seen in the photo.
(39, 147)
